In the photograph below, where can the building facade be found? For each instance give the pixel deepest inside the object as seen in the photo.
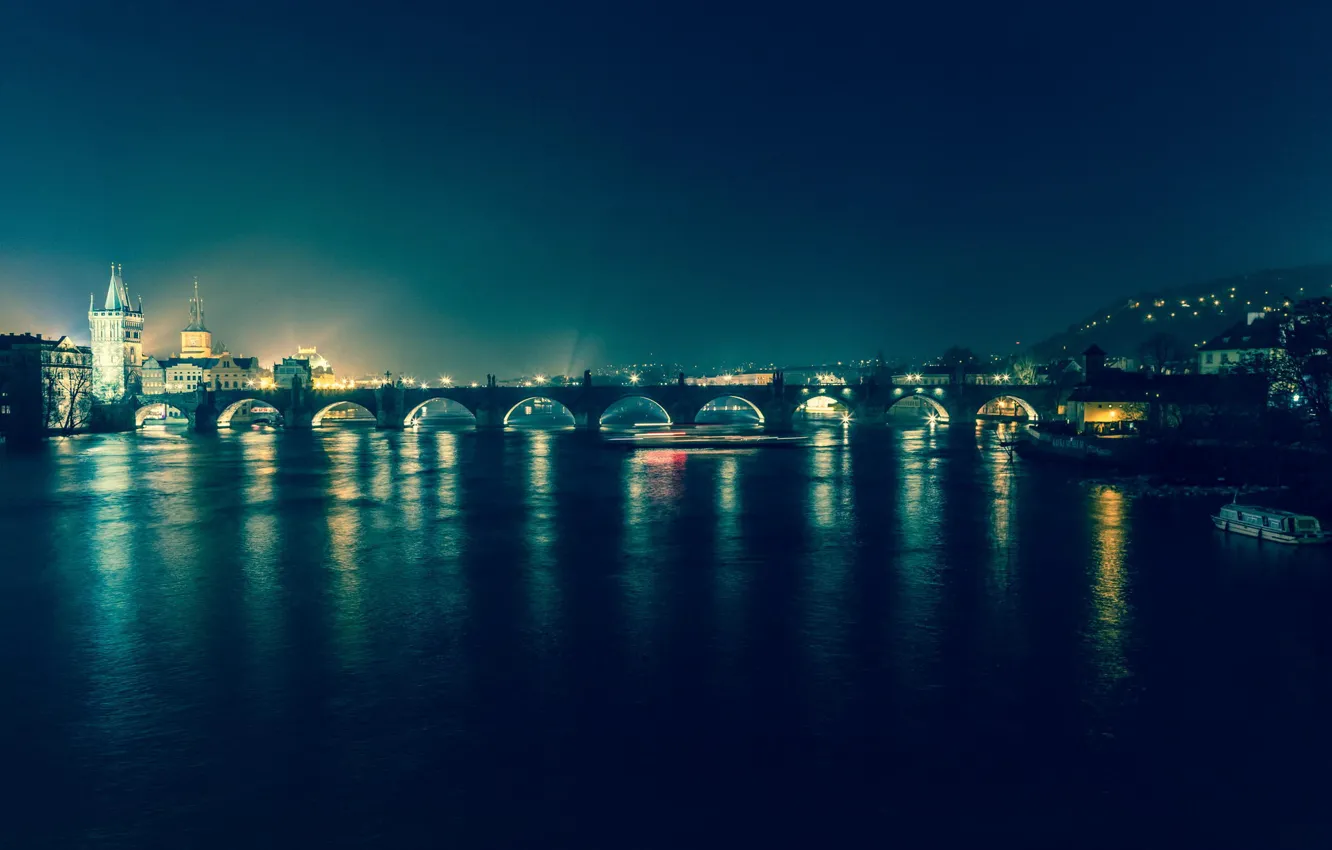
(290, 368)
(187, 374)
(1257, 338)
(232, 373)
(117, 340)
(153, 376)
(46, 385)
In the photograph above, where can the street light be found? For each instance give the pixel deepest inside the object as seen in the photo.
(445, 381)
(633, 378)
(538, 379)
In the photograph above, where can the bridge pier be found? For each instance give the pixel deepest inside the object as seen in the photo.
(778, 417)
(205, 418)
(205, 413)
(390, 408)
(489, 418)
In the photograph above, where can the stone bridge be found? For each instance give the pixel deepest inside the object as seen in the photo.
(777, 404)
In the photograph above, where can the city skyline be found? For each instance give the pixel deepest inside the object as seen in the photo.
(477, 193)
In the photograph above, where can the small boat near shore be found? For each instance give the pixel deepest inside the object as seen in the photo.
(693, 440)
(1270, 524)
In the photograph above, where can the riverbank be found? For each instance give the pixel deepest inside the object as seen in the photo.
(1192, 467)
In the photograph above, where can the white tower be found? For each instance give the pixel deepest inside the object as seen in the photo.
(117, 340)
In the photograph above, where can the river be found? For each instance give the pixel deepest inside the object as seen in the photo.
(528, 639)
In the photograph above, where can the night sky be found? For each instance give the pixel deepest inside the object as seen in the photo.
(534, 187)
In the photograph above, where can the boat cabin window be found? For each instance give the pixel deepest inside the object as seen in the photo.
(1306, 524)
(1226, 513)
(1276, 522)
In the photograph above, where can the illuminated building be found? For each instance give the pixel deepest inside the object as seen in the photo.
(319, 374)
(153, 376)
(1105, 411)
(747, 379)
(186, 374)
(232, 373)
(196, 341)
(117, 340)
(48, 384)
(292, 367)
(926, 376)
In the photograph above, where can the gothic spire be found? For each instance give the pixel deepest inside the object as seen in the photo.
(196, 311)
(116, 298)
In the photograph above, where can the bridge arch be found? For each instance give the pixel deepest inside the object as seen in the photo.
(938, 413)
(702, 415)
(830, 406)
(1009, 407)
(443, 400)
(345, 405)
(543, 407)
(154, 410)
(225, 416)
(625, 405)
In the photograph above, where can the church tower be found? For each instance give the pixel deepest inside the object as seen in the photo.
(195, 340)
(117, 340)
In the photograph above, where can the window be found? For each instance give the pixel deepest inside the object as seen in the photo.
(4, 410)
(1225, 357)
(1208, 358)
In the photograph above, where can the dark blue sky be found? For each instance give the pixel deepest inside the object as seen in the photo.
(532, 186)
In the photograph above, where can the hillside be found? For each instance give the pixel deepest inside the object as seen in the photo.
(1193, 314)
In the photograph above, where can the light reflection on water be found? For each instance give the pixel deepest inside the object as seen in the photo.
(1108, 623)
(539, 535)
(358, 611)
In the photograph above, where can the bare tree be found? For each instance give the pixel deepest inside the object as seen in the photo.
(52, 396)
(78, 387)
(1023, 368)
(67, 389)
(1159, 351)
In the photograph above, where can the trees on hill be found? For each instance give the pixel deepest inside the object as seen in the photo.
(1307, 365)
(956, 355)
(1160, 350)
(1299, 376)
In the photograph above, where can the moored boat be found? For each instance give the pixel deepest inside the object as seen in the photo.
(1271, 524)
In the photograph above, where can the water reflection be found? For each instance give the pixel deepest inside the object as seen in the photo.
(652, 485)
(539, 533)
(259, 556)
(1110, 612)
(116, 642)
(440, 622)
(832, 549)
(731, 557)
(919, 518)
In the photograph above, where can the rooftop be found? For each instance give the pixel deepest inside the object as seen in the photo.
(1261, 333)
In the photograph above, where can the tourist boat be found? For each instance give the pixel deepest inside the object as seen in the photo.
(1271, 524)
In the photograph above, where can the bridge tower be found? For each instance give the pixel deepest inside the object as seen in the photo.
(117, 341)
